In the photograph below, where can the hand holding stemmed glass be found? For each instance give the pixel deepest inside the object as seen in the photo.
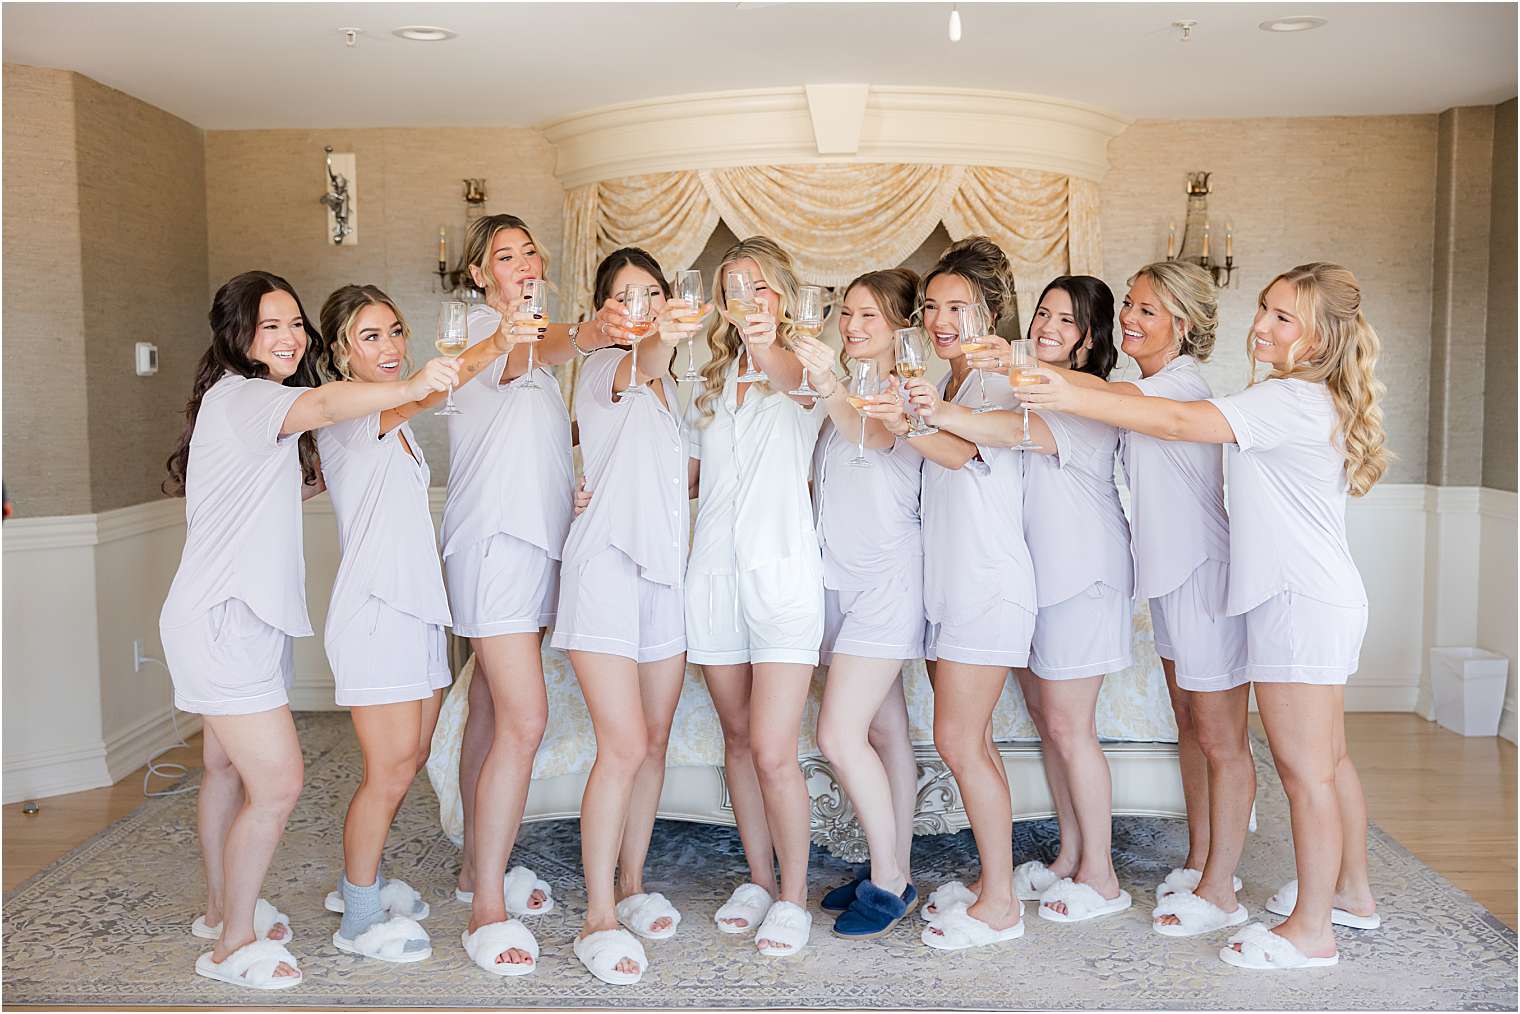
(866, 385)
(1022, 364)
(974, 324)
(532, 310)
(451, 340)
(638, 300)
(808, 324)
(912, 364)
(689, 291)
(756, 324)
(817, 361)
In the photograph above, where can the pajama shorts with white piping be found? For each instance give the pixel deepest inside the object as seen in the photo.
(228, 661)
(501, 585)
(773, 613)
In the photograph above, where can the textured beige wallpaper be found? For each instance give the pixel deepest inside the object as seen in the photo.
(1358, 191)
(1499, 364)
(142, 212)
(47, 456)
(261, 198)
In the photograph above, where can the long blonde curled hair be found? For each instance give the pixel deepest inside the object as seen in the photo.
(723, 341)
(337, 318)
(1344, 350)
(1188, 293)
(478, 240)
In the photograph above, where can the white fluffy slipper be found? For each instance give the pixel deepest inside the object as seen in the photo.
(787, 927)
(265, 918)
(397, 897)
(252, 965)
(1195, 915)
(1184, 878)
(602, 950)
(1260, 948)
(387, 941)
(946, 897)
(1032, 879)
(1286, 897)
(517, 887)
(749, 902)
(492, 940)
(640, 911)
(956, 929)
(1082, 902)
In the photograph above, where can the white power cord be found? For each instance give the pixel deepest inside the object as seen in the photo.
(168, 770)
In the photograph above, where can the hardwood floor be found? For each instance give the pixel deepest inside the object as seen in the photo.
(1450, 800)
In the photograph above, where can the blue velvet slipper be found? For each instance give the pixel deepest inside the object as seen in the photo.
(873, 912)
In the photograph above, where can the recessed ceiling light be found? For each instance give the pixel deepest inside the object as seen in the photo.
(423, 33)
(1291, 24)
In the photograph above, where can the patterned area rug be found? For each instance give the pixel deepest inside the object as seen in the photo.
(109, 925)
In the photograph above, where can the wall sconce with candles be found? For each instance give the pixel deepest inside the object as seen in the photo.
(452, 279)
(1196, 238)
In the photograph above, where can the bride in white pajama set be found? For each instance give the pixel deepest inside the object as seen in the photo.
(239, 596)
(1298, 441)
(754, 591)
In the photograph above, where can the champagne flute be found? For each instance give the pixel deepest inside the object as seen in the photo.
(975, 323)
(865, 385)
(739, 293)
(912, 364)
(638, 300)
(809, 324)
(532, 309)
(451, 339)
(689, 288)
(1022, 359)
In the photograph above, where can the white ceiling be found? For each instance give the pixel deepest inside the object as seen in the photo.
(235, 66)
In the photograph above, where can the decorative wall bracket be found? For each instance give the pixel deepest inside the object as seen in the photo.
(1196, 239)
(339, 199)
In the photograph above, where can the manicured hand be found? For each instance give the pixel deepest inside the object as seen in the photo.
(923, 398)
(994, 355)
(818, 359)
(438, 374)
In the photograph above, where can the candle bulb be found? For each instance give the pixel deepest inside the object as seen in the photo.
(443, 246)
(1229, 242)
(1205, 241)
(1171, 240)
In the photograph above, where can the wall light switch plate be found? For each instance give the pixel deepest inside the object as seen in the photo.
(146, 359)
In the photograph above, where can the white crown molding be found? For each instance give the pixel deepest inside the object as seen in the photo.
(774, 126)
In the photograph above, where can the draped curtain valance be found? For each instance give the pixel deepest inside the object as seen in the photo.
(835, 220)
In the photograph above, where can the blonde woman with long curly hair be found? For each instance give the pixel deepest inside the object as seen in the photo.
(754, 589)
(1299, 441)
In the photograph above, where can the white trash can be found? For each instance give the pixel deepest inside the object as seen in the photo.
(1469, 689)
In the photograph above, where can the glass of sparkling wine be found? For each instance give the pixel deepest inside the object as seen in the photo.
(975, 323)
(739, 293)
(689, 289)
(912, 364)
(532, 310)
(638, 300)
(808, 323)
(451, 339)
(1022, 360)
(865, 384)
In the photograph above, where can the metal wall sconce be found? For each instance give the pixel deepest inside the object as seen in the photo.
(1196, 234)
(458, 277)
(339, 199)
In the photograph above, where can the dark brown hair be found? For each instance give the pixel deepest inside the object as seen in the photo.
(1092, 307)
(617, 260)
(234, 319)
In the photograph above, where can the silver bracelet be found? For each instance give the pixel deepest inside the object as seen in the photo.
(575, 330)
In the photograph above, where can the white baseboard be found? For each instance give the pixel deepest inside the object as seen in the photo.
(54, 772)
(312, 692)
(1507, 723)
(130, 748)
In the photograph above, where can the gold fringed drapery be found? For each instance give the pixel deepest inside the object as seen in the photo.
(836, 220)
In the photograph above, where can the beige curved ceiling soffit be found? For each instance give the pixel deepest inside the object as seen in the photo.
(833, 123)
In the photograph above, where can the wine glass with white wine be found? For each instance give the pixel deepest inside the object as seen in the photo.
(638, 300)
(531, 311)
(808, 322)
(912, 364)
(739, 294)
(451, 340)
(689, 290)
(975, 324)
(1022, 360)
(866, 384)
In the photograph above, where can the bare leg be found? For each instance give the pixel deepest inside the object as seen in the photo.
(267, 755)
(1195, 776)
(964, 698)
(854, 692)
(431, 707)
(610, 684)
(729, 686)
(220, 799)
(474, 744)
(514, 668)
(1220, 723)
(779, 693)
(1070, 706)
(1300, 720)
(388, 736)
(890, 738)
(1056, 775)
(660, 689)
(1353, 892)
